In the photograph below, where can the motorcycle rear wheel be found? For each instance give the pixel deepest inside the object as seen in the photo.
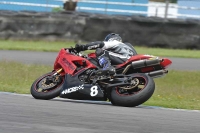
(41, 89)
(136, 96)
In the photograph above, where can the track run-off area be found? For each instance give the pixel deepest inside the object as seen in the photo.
(20, 113)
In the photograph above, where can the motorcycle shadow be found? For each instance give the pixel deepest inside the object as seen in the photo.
(98, 103)
(82, 101)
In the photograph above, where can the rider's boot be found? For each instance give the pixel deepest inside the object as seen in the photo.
(104, 62)
(106, 66)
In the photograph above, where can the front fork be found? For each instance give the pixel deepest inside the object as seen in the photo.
(58, 71)
(54, 78)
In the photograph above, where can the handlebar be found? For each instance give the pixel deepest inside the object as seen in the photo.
(75, 52)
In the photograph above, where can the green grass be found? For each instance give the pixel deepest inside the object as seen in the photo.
(16, 77)
(178, 89)
(56, 46)
(34, 45)
(169, 52)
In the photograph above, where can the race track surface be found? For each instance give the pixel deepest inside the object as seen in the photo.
(24, 114)
(48, 58)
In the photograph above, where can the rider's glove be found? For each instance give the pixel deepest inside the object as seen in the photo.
(79, 47)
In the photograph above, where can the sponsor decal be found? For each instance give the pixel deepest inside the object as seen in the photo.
(73, 89)
(68, 64)
(94, 46)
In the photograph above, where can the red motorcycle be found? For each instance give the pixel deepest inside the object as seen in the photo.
(77, 76)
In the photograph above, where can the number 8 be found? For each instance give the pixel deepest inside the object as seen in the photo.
(94, 91)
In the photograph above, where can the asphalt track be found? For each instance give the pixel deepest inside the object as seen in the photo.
(24, 114)
(48, 58)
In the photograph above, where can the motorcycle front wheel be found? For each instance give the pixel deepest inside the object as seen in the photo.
(139, 92)
(47, 86)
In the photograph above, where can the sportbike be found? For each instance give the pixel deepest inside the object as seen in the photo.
(78, 76)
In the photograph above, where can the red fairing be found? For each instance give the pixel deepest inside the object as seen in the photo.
(135, 58)
(66, 61)
(92, 55)
(166, 63)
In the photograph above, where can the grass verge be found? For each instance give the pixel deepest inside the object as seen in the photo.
(56, 46)
(178, 89)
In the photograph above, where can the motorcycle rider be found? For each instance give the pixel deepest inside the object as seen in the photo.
(110, 51)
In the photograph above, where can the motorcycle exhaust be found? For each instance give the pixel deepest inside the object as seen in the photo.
(146, 63)
(156, 74)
